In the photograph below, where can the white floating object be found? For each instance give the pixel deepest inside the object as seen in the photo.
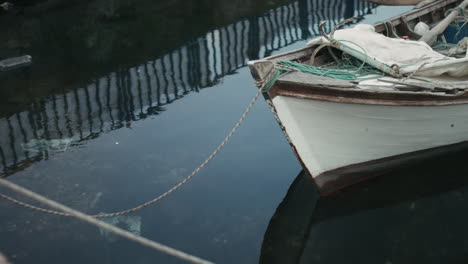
(421, 28)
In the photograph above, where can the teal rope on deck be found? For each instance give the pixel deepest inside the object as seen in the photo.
(326, 72)
(347, 70)
(279, 72)
(462, 15)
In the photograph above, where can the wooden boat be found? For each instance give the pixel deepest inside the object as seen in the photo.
(343, 131)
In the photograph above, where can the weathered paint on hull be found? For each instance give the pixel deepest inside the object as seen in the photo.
(342, 143)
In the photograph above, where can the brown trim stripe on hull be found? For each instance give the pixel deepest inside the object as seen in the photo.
(334, 180)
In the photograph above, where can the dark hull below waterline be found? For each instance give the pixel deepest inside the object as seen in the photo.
(332, 181)
(307, 227)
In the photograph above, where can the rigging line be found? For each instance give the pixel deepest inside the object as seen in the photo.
(113, 229)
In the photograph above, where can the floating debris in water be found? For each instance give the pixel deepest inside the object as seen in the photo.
(6, 6)
(130, 223)
(42, 144)
(14, 63)
(96, 199)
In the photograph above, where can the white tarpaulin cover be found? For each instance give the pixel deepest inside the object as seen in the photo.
(409, 55)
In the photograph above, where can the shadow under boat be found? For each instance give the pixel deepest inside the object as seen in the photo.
(414, 214)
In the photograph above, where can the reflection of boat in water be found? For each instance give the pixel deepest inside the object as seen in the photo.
(407, 216)
(349, 125)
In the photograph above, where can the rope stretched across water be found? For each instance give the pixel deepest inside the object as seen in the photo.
(113, 229)
(150, 202)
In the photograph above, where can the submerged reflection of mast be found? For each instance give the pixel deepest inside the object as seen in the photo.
(131, 94)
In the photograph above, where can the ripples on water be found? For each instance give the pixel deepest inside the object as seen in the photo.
(116, 109)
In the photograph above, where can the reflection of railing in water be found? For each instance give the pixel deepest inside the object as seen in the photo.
(131, 94)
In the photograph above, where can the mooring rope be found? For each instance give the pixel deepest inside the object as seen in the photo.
(150, 202)
(91, 220)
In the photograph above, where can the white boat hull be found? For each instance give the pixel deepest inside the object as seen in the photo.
(328, 136)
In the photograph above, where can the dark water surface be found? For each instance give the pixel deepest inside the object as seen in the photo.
(125, 98)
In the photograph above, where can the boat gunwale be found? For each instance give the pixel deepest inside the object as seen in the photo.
(358, 96)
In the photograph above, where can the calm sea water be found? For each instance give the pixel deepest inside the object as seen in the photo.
(125, 98)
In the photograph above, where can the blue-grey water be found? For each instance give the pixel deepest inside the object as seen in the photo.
(125, 98)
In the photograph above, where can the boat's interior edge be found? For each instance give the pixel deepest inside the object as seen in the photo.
(400, 26)
(400, 23)
(292, 84)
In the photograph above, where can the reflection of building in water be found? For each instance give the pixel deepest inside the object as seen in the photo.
(115, 100)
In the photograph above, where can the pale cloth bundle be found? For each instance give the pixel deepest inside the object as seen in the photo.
(411, 56)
